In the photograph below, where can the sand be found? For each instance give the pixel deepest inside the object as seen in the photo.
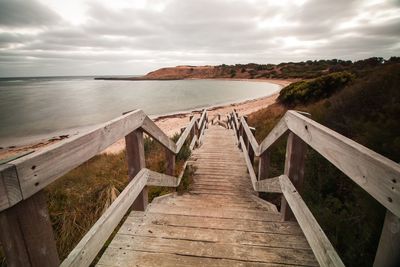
(170, 124)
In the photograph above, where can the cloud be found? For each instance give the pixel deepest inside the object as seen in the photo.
(15, 13)
(141, 35)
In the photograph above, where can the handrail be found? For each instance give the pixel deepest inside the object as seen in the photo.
(374, 173)
(377, 175)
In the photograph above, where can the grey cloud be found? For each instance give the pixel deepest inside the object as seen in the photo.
(196, 32)
(16, 13)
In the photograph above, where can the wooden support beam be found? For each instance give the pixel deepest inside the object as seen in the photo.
(389, 244)
(26, 233)
(136, 161)
(170, 162)
(250, 147)
(263, 165)
(294, 169)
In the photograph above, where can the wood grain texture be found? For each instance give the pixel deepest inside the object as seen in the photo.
(280, 129)
(10, 191)
(270, 185)
(39, 169)
(26, 233)
(320, 244)
(389, 244)
(250, 137)
(294, 169)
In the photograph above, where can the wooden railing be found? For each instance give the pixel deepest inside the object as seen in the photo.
(377, 175)
(25, 228)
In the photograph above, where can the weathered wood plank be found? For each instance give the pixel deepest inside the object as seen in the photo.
(237, 223)
(253, 176)
(26, 233)
(294, 169)
(389, 244)
(215, 213)
(320, 244)
(250, 137)
(129, 258)
(215, 250)
(270, 185)
(157, 134)
(136, 162)
(280, 129)
(10, 191)
(148, 229)
(184, 135)
(87, 249)
(39, 169)
(160, 179)
(374, 173)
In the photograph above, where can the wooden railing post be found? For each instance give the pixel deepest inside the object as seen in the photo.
(170, 160)
(388, 252)
(294, 169)
(26, 233)
(136, 161)
(263, 165)
(250, 147)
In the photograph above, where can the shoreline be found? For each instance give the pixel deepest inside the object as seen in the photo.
(169, 123)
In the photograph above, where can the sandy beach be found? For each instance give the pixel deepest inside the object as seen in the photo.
(170, 124)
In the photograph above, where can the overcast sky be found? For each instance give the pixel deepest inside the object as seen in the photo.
(89, 37)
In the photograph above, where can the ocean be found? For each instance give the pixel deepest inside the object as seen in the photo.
(34, 107)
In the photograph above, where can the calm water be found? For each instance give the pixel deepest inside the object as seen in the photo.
(40, 106)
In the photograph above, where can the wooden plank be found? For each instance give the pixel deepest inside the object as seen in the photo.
(280, 129)
(294, 169)
(146, 228)
(39, 169)
(155, 132)
(374, 173)
(128, 258)
(26, 233)
(240, 224)
(160, 179)
(215, 250)
(214, 213)
(136, 161)
(263, 165)
(184, 136)
(320, 244)
(389, 243)
(170, 162)
(270, 185)
(10, 191)
(253, 176)
(87, 249)
(250, 137)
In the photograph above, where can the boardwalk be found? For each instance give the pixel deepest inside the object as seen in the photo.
(220, 222)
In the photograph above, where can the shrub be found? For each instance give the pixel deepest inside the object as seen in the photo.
(304, 92)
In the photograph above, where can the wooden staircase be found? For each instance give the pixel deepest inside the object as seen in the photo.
(219, 222)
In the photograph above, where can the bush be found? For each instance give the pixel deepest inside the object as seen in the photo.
(305, 92)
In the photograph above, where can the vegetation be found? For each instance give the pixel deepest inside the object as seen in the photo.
(307, 91)
(301, 70)
(365, 110)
